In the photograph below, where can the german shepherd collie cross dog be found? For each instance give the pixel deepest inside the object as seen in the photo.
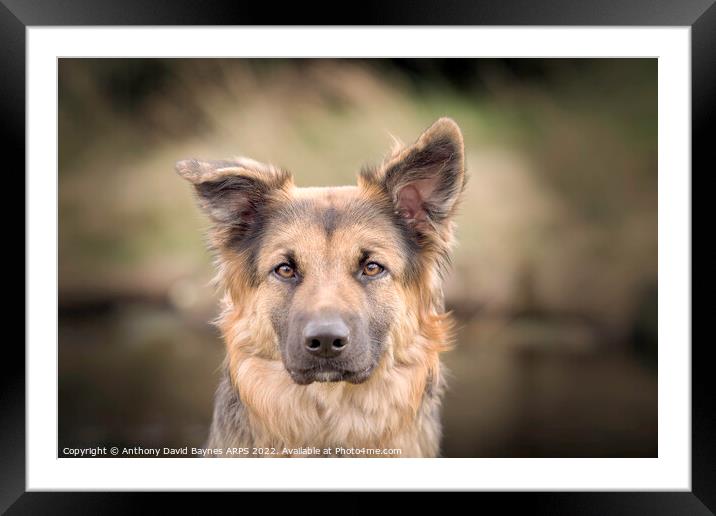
(332, 307)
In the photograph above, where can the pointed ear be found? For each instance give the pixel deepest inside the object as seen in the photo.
(233, 192)
(424, 181)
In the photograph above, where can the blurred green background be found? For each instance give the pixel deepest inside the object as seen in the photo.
(555, 276)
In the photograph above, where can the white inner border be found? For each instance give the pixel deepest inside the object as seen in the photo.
(670, 471)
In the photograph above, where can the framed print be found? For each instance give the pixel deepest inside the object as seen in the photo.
(447, 253)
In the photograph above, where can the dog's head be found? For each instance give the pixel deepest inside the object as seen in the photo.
(326, 272)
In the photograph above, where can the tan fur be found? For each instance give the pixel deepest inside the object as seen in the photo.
(381, 413)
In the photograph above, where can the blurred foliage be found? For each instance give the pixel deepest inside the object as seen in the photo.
(554, 278)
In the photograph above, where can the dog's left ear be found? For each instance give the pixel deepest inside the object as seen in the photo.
(425, 180)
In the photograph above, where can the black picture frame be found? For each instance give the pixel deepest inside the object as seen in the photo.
(17, 15)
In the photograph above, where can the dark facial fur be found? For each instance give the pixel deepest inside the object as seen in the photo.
(328, 243)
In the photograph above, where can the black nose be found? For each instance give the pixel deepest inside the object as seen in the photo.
(326, 336)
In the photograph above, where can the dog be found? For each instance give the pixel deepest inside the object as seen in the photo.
(332, 308)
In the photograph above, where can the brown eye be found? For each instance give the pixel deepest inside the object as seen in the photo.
(285, 271)
(372, 269)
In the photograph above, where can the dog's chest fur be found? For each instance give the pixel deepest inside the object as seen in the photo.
(399, 411)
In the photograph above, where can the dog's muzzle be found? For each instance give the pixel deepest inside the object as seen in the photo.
(326, 347)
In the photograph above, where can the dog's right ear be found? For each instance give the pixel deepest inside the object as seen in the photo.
(234, 192)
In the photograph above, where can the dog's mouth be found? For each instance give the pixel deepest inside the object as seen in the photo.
(308, 376)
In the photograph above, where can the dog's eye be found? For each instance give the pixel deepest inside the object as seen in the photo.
(372, 269)
(285, 271)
